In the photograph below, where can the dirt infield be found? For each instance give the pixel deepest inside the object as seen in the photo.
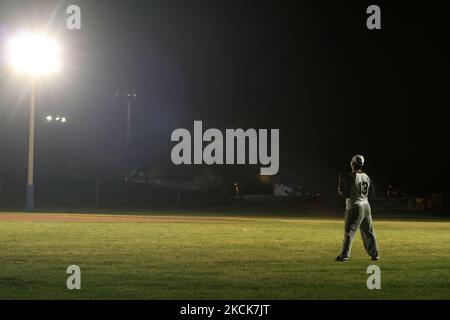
(66, 217)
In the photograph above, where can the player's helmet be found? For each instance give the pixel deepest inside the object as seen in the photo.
(357, 160)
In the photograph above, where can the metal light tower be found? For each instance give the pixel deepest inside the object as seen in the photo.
(35, 55)
(131, 96)
(29, 204)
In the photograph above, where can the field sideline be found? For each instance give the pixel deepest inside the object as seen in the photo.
(181, 256)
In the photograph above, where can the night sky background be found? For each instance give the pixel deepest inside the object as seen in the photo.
(309, 68)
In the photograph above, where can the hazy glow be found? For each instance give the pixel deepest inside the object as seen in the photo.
(34, 53)
(49, 118)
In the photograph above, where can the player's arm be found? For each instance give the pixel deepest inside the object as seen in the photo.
(372, 195)
(343, 187)
(340, 186)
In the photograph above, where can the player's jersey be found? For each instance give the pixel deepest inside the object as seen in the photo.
(356, 189)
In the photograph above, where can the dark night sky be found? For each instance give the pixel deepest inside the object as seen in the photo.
(309, 68)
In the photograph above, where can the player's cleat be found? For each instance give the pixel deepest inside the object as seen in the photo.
(342, 258)
(377, 258)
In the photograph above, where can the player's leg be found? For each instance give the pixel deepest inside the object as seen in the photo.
(353, 219)
(368, 234)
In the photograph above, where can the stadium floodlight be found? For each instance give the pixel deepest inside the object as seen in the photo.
(34, 55)
(56, 119)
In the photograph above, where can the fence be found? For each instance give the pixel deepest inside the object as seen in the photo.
(103, 193)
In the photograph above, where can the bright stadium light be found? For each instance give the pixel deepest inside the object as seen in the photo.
(33, 53)
(56, 119)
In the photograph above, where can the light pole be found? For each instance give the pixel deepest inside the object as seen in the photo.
(130, 95)
(128, 120)
(35, 55)
(29, 205)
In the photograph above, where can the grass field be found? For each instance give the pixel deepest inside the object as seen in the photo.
(202, 257)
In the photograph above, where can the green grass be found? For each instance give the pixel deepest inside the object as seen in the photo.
(255, 258)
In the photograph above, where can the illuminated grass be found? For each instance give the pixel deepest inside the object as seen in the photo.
(258, 258)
